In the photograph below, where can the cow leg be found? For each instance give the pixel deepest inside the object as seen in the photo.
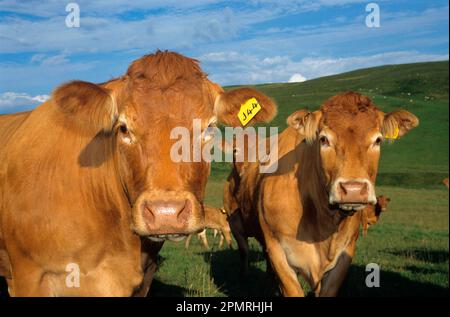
(10, 287)
(289, 284)
(149, 263)
(333, 279)
(221, 240)
(237, 229)
(188, 241)
(269, 269)
(227, 235)
(204, 239)
(5, 268)
(149, 273)
(243, 252)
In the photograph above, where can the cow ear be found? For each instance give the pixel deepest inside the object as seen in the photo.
(307, 123)
(297, 119)
(398, 123)
(87, 105)
(228, 104)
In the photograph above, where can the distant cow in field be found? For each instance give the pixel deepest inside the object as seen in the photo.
(309, 211)
(372, 213)
(94, 161)
(216, 219)
(445, 181)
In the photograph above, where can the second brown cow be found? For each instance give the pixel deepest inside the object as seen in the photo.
(308, 213)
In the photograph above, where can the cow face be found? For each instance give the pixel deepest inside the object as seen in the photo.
(136, 113)
(371, 214)
(347, 131)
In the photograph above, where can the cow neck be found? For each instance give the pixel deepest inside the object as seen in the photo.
(105, 182)
(125, 195)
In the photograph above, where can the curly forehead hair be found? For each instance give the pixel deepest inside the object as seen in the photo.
(349, 102)
(165, 68)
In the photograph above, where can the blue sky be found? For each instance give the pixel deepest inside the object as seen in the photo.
(237, 42)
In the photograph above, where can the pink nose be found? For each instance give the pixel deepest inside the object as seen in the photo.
(166, 216)
(353, 192)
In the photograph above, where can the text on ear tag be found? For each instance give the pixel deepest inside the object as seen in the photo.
(248, 110)
(394, 135)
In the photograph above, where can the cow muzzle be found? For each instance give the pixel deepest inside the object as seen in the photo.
(169, 216)
(352, 194)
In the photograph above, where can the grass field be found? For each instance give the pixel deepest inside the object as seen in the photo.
(410, 243)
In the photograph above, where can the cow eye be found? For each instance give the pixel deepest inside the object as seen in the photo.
(378, 141)
(123, 129)
(324, 141)
(125, 134)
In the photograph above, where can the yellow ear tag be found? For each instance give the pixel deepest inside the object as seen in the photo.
(394, 135)
(248, 110)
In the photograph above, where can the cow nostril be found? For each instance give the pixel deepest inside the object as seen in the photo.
(364, 189)
(343, 189)
(147, 212)
(185, 211)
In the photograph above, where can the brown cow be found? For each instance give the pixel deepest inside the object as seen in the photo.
(240, 203)
(371, 214)
(94, 161)
(310, 209)
(215, 218)
(445, 182)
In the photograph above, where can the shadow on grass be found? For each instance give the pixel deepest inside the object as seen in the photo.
(392, 284)
(225, 268)
(225, 271)
(160, 289)
(429, 256)
(424, 270)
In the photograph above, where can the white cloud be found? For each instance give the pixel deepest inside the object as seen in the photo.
(297, 78)
(182, 25)
(37, 58)
(45, 60)
(13, 101)
(55, 60)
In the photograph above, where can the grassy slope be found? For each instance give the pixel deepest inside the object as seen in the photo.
(410, 243)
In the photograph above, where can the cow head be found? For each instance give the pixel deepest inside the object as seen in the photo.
(158, 93)
(371, 214)
(348, 130)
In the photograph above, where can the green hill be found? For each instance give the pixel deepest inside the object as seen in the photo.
(420, 158)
